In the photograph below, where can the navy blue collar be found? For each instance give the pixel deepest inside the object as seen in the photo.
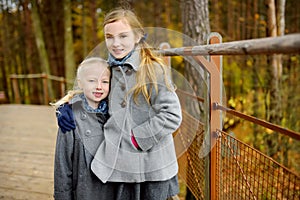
(102, 107)
(112, 61)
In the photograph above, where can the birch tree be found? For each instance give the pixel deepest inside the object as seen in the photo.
(274, 109)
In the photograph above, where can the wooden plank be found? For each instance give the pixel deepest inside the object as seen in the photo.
(8, 194)
(31, 184)
(287, 44)
(27, 136)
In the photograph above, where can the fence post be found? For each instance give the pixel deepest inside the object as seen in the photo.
(167, 59)
(45, 88)
(16, 91)
(62, 86)
(216, 121)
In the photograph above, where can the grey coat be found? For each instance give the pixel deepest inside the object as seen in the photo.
(117, 159)
(73, 178)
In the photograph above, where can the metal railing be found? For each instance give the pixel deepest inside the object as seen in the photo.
(232, 169)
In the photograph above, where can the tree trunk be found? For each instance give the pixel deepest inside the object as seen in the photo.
(93, 14)
(69, 48)
(195, 20)
(43, 56)
(4, 52)
(274, 110)
(84, 27)
(280, 29)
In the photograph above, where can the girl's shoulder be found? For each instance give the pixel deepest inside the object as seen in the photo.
(76, 99)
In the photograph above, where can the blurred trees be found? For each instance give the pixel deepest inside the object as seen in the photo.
(40, 43)
(68, 39)
(246, 78)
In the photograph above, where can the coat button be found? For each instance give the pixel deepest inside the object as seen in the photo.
(128, 72)
(123, 104)
(83, 116)
(123, 87)
(88, 132)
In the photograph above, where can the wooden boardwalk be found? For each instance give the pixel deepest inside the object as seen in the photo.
(27, 137)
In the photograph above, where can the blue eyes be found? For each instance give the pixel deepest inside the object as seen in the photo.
(94, 80)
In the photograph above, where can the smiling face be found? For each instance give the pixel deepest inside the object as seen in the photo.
(119, 38)
(93, 79)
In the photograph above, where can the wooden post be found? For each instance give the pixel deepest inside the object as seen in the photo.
(3, 97)
(62, 86)
(16, 91)
(167, 59)
(45, 88)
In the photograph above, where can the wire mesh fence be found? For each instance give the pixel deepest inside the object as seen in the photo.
(245, 173)
(242, 172)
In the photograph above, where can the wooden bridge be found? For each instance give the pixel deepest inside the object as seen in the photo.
(213, 164)
(27, 137)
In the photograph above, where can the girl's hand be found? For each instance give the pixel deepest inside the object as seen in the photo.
(134, 142)
(65, 118)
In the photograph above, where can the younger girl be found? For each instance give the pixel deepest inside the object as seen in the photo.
(73, 178)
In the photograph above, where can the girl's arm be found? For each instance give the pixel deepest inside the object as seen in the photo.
(166, 121)
(65, 118)
(63, 166)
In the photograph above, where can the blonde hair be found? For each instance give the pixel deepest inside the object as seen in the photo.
(76, 89)
(146, 70)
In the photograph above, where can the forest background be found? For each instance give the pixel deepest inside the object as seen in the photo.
(53, 37)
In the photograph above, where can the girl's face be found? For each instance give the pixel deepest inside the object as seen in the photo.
(120, 39)
(94, 81)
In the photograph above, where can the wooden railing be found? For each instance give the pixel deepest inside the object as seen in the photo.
(45, 77)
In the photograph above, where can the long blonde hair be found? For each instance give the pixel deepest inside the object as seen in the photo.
(146, 72)
(76, 89)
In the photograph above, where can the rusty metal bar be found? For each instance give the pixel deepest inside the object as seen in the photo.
(215, 123)
(200, 99)
(255, 120)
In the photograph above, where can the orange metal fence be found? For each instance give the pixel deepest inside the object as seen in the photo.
(232, 169)
(245, 173)
(193, 170)
(242, 172)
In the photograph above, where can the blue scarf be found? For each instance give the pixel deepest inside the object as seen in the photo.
(102, 107)
(112, 61)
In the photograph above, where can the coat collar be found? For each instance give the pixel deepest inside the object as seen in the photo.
(134, 60)
(103, 106)
(75, 99)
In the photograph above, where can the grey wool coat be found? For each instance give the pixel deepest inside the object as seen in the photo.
(73, 178)
(117, 159)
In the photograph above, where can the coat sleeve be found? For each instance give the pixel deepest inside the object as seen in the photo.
(63, 165)
(166, 120)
